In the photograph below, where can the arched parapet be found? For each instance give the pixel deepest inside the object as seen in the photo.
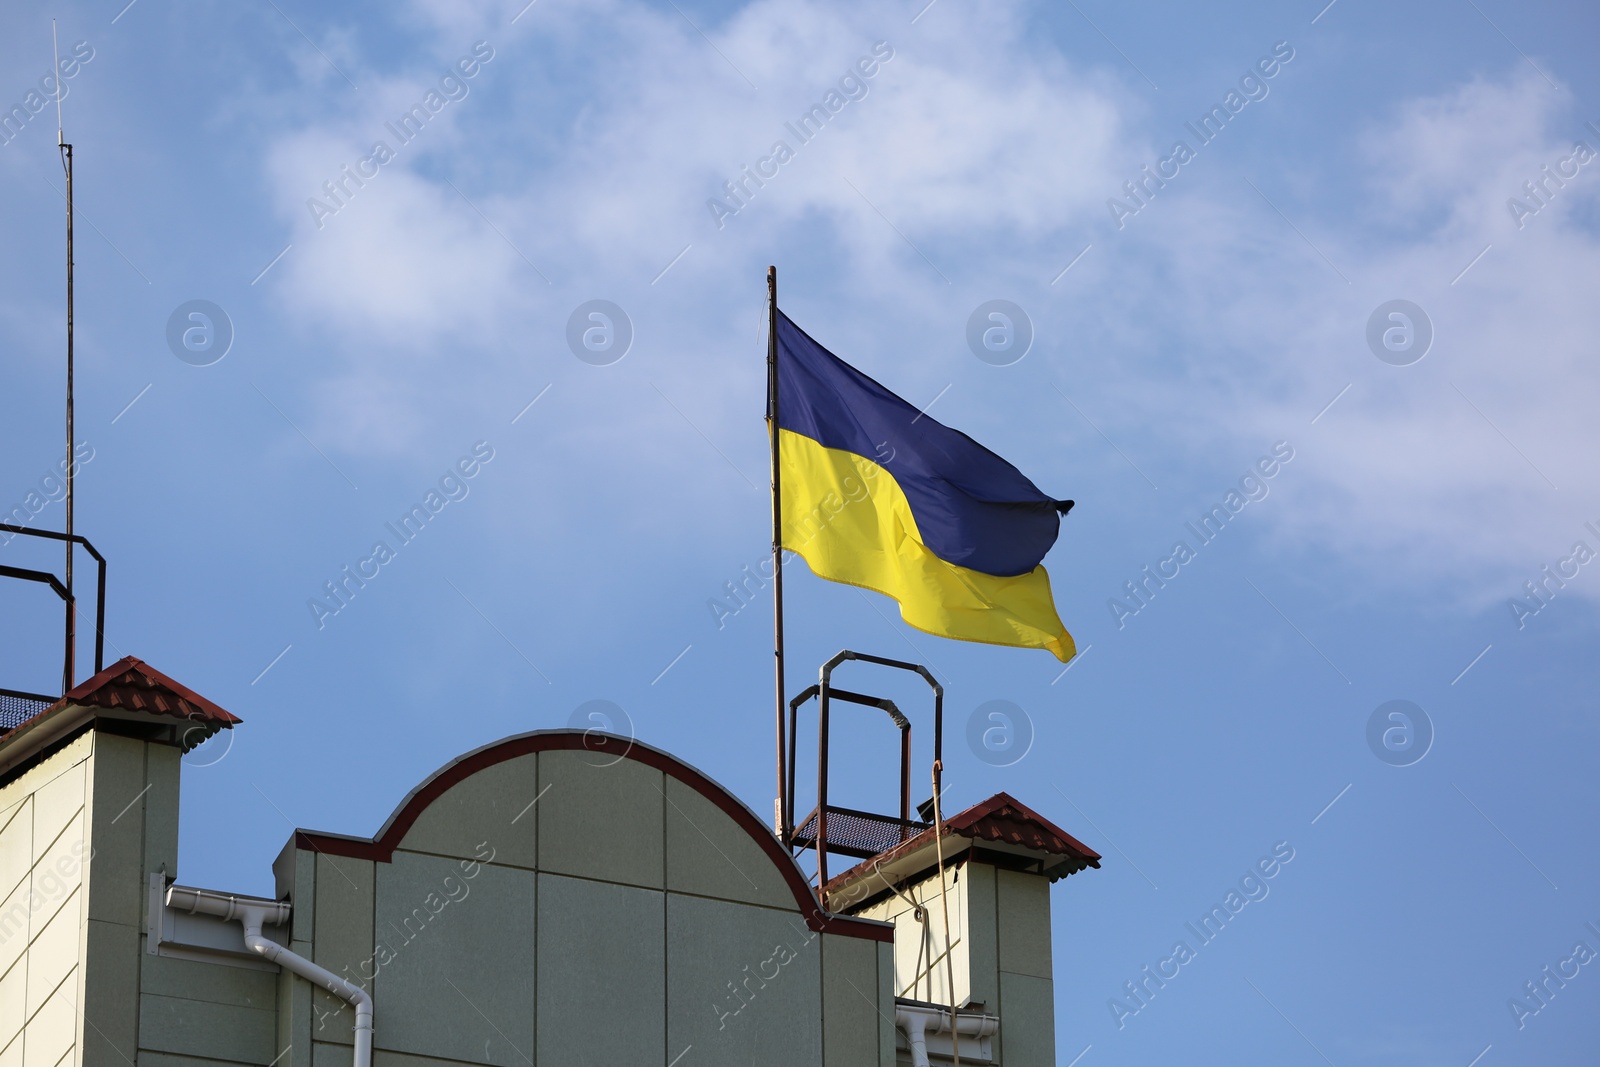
(598, 814)
(562, 896)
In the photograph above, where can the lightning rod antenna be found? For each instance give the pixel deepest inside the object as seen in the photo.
(68, 670)
(55, 47)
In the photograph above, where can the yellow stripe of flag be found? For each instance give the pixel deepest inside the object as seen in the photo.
(848, 518)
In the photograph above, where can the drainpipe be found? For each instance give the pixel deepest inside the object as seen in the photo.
(252, 913)
(917, 1022)
(914, 1023)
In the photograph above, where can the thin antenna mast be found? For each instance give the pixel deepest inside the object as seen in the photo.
(55, 47)
(68, 670)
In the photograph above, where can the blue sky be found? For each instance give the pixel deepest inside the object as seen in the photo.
(375, 345)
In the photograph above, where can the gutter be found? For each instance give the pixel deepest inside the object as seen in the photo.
(252, 913)
(918, 1022)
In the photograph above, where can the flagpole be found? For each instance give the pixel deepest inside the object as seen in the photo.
(782, 806)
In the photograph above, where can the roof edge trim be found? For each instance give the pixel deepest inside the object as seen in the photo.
(381, 848)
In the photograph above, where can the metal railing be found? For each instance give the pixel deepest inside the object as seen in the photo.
(846, 830)
(9, 699)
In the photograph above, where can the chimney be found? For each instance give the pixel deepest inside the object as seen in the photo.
(89, 809)
(999, 859)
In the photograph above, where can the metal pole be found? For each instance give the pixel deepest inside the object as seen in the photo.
(905, 780)
(784, 829)
(944, 906)
(822, 793)
(788, 795)
(100, 621)
(68, 669)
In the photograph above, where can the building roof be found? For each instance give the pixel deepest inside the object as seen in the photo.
(133, 685)
(1004, 818)
(128, 690)
(1001, 830)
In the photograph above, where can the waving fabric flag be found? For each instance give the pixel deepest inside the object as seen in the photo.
(875, 494)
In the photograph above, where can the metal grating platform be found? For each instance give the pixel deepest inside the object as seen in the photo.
(17, 708)
(858, 833)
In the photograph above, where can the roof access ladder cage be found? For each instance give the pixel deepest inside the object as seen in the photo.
(17, 706)
(848, 831)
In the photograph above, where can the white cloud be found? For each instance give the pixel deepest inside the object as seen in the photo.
(1405, 475)
(987, 152)
(949, 142)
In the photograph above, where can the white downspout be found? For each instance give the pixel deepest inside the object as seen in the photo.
(252, 913)
(915, 1024)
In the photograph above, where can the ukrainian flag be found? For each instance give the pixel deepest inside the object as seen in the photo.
(875, 494)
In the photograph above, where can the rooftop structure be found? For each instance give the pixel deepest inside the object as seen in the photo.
(556, 897)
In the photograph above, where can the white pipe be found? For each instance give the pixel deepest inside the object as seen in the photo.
(917, 1022)
(944, 909)
(252, 913)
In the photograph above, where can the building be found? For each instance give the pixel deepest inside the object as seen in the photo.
(554, 898)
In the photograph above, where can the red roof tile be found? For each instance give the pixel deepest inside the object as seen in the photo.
(1002, 820)
(131, 685)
